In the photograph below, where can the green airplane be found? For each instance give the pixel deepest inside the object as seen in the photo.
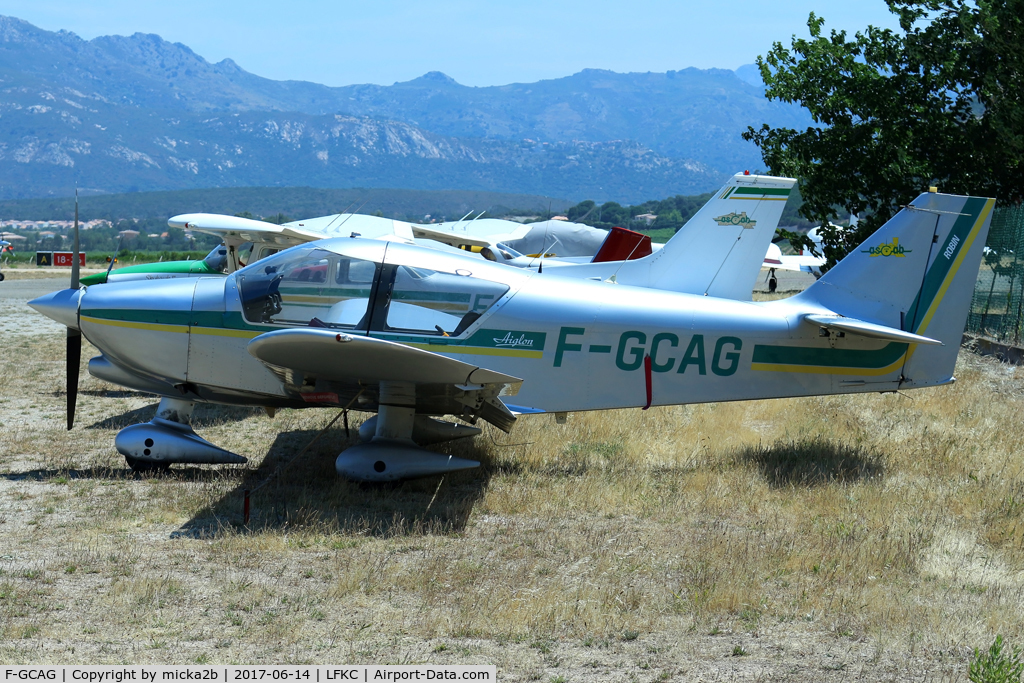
(213, 264)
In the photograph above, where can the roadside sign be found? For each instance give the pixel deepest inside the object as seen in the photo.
(44, 258)
(66, 258)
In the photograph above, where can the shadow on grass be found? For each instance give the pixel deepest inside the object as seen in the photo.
(813, 462)
(183, 473)
(306, 494)
(112, 393)
(204, 415)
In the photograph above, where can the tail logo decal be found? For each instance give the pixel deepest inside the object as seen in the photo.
(740, 219)
(886, 249)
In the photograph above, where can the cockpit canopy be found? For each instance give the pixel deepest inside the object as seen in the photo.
(349, 284)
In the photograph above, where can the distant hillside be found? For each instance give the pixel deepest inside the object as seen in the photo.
(296, 202)
(120, 113)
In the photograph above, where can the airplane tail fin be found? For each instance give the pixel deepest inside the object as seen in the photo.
(719, 250)
(914, 275)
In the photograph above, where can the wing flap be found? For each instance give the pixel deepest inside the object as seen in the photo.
(866, 329)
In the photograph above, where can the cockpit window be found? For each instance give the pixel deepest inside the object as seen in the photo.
(298, 285)
(431, 302)
(217, 260)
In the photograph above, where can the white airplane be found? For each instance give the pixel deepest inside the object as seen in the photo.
(415, 334)
(805, 261)
(562, 239)
(5, 246)
(718, 252)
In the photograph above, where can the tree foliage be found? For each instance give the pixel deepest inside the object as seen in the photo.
(671, 213)
(935, 103)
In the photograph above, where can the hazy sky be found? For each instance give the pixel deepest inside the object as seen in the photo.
(475, 42)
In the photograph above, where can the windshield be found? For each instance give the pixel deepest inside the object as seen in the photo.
(433, 302)
(308, 285)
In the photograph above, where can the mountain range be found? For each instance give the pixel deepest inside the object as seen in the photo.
(139, 113)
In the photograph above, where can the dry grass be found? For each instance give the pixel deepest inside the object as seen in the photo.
(875, 537)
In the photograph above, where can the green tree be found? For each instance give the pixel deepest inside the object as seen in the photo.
(935, 103)
(668, 219)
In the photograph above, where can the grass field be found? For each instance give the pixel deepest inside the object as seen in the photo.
(875, 537)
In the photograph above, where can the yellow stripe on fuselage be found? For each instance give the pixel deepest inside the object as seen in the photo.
(222, 332)
(153, 327)
(830, 370)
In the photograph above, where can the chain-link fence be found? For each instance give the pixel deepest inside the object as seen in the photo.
(997, 311)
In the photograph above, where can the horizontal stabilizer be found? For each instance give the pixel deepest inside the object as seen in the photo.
(865, 329)
(344, 357)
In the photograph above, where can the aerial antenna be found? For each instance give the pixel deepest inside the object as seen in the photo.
(477, 216)
(113, 259)
(584, 216)
(540, 266)
(352, 214)
(336, 217)
(462, 219)
(635, 247)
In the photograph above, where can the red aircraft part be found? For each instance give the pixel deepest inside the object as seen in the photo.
(623, 245)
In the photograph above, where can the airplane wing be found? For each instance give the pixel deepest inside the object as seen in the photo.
(329, 356)
(243, 229)
(455, 237)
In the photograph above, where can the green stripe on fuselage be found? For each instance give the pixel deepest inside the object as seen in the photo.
(233, 320)
(829, 357)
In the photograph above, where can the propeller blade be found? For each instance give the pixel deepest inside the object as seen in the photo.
(74, 359)
(73, 354)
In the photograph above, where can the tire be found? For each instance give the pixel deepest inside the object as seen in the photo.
(143, 466)
(2, 276)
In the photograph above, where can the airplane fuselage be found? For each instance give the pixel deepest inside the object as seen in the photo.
(577, 345)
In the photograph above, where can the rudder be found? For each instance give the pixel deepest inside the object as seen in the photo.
(916, 273)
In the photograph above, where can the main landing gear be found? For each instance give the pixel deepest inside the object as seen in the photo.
(390, 452)
(168, 438)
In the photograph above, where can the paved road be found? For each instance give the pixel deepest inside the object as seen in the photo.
(25, 290)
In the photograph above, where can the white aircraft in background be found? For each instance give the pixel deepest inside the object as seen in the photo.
(5, 247)
(804, 262)
(718, 252)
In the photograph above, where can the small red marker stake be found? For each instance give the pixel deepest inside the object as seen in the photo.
(647, 376)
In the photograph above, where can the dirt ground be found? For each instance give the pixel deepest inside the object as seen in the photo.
(829, 539)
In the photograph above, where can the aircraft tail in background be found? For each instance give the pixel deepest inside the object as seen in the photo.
(720, 249)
